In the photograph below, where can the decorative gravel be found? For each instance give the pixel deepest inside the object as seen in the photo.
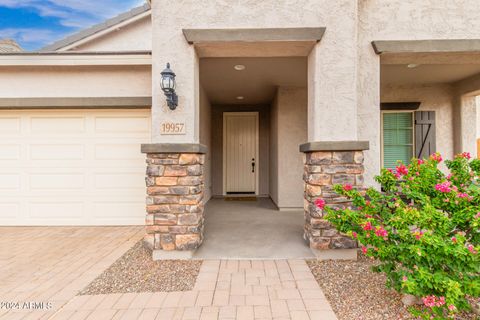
(355, 292)
(135, 271)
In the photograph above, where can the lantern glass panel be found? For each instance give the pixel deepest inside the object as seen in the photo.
(167, 82)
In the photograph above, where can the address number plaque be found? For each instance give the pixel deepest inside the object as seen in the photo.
(167, 128)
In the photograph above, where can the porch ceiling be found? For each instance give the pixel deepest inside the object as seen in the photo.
(419, 62)
(402, 74)
(256, 84)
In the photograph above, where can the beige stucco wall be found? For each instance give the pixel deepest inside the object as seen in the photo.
(96, 81)
(217, 146)
(468, 86)
(274, 154)
(401, 20)
(206, 139)
(467, 115)
(334, 60)
(133, 37)
(477, 100)
(426, 19)
(288, 131)
(438, 98)
(465, 124)
(344, 72)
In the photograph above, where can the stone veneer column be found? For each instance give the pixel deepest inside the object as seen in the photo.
(327, 164)
(175, 189)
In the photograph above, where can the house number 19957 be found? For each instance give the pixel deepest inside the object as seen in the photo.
(172, 128)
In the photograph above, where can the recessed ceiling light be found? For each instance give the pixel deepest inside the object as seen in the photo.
(239, 67)
(240, 97)
(412, 65)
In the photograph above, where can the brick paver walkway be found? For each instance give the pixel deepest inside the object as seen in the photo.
(51, 264)
(227, 289)
(49, 270)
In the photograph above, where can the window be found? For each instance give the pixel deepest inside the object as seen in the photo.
(397, 142)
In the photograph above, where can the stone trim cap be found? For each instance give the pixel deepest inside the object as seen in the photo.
(76, 103)
(253, 34)
(174, 148)
(424, 46)
(334, 146)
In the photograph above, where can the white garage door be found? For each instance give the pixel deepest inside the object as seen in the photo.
(81, 167)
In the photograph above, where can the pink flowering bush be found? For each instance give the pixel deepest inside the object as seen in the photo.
(424, 230)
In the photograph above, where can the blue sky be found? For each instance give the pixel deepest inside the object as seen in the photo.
(36, 23)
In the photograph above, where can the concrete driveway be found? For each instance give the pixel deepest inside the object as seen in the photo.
(50, 265)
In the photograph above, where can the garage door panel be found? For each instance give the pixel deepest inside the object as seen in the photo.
(9, 210)
(57, 125)
(10, 125)
(9, 182)
(61, 210)
(118, 181)
(116, 209)
(57, 152)
(122, 124)
(72, 167)
(10, 152)
(52, 181)
(117, 152)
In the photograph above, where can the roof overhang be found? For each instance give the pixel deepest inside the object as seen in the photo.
(427, 46)
(253, 35)
(263, 42)
(138, 58)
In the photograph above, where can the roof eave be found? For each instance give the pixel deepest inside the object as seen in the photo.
(100, 29)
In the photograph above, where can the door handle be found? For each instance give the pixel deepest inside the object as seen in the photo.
(253, 164)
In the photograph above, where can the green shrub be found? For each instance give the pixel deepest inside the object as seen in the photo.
(423, 228)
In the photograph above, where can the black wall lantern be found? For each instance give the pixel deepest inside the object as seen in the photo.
(168, 86)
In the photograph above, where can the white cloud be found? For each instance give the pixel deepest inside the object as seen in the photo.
(77, 22)
(11, 3)
(30, 35)
(49, 11)
(105, 8)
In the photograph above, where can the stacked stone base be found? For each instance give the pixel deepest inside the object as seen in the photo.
(323, 170)
(175, 188)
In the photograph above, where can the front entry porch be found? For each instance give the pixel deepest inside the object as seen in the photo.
(252, 230)
(246, 117)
